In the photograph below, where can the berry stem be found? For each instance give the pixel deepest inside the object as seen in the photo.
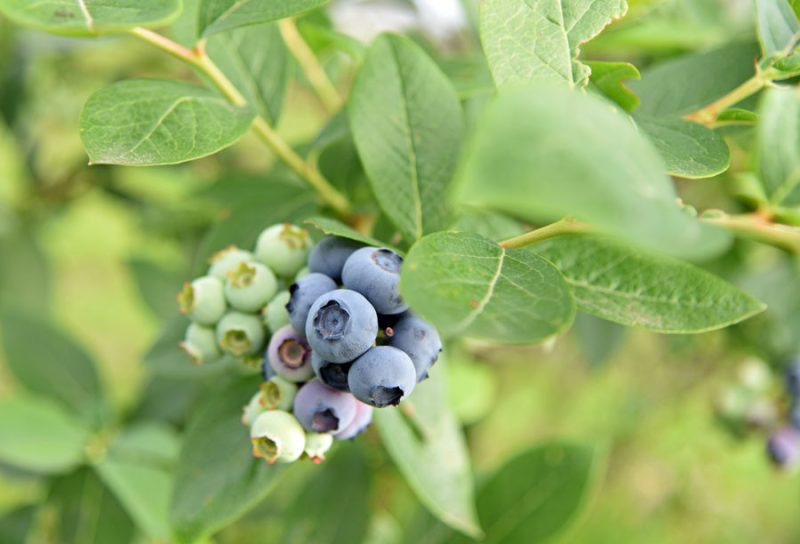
(198, 58)
(319, 80)
(708, 115)
(559, 228)
(759, 227)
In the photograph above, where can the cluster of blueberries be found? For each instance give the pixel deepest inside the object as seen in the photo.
(342, 339)
(783, 445)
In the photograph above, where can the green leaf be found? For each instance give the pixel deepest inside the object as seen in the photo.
(25, 276)
(333, 227)
(622, 285)
(138, 468)
(90, 17)
(157, 285)
(609, 79)
(778, 146)
(218, 479)
(408, 127)
(431, 453)
(542, 152)
(689, 150)
(150, 122)
(318, 513)
(468, 285)
(15, 525)
(537, 495)
(528, 40)
(46, 361)
(219, 15)
(488, 224)
(778, 27)
(688, 83)
(39, 435)
(257, 62)
(84, 511)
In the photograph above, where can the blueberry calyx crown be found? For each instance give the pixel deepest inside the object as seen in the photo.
(324, 421)
(387, 260)
(332, 321)
(293, 353)
(386, 396)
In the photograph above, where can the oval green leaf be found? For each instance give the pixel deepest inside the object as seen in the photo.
(408, 127)
(626, 286)
(778, 146)
(689, 150)
(777, 27)
(426, 443)
(333, 227)
(152, 122)
(542, 152)
(468, 285)
(219, 15)
(90, 17)
(39, 435)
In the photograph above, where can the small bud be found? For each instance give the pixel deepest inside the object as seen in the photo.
(203, 300)
(284, 248)
(277, 437)
(240, 334)
(228, 260)
(250, 286)
(317, 445)
(278, 394)
(200, 343)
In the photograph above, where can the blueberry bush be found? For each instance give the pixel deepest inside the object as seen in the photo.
(506, 271)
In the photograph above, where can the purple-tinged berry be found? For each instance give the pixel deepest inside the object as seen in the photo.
(203, 300)
(329, 255)
(321, 409)
(375, 273)
(290, 355)
(383, 376)
(303, 293)
(783, 447)
(341, 326)
(419, 340)
(359, 424)
(277, 437)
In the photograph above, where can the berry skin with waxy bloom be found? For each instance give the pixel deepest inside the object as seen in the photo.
(275, 314)
(359, 424)
(200, 343)
(317, 445)
(240, 334)
(419, 340)
(783, 447)
(290, 355)
(303, 293)
(321, 409)
(330, 254)
(277, 437)
(793, 378)
(341, 326)
(331, 374)
(383, 376)
(250, 286)
(203, 300)
(375, 273)
(284, 248)
(228, 260)
(278, 394)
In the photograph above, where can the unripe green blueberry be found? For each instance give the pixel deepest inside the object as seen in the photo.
(278, 394)
(228, 260)
(240, 334)
(203, 300)
(250, 286)
(317, 445)
(253, 409)
(302, 272)
(275, 314)
(284, 248)
(200, 343)
(277, 437)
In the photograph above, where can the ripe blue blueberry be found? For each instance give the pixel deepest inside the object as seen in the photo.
(331, 374)
(793, 378)
(420, 340)
(228, 260)
(783, 447)
(303, 293)
(289, 355)
(321, 409)
(359, 424)
(203, 300)
(375, 273)
(275, 314)
(277, 437)
(284, 248)
(200, 344)
(383, 376)
(329, 255)
(250, 286)
(341, 326)
(240, 334)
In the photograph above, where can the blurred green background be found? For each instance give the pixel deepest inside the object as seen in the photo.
(98, 253)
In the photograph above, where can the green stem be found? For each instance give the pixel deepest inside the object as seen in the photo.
(322, 85)
(760, 228)
(708, 114)
(559, 228)
(198, 58)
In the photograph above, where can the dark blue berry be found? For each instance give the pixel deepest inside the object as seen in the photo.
(331, 374)
(329, 255)
(375, 273)
(341, 326)
(303, 293)
(321, 409)
(419, 340)
(383, 376)
(793, 378)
